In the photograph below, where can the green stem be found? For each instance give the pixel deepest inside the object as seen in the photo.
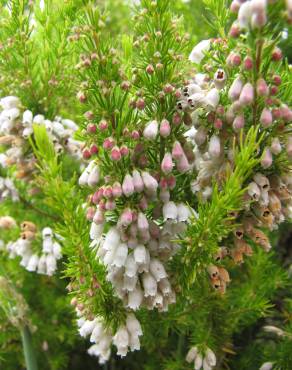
(29, 354)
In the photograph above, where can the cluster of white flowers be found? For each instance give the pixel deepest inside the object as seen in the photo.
(8, 189)
(205, 361)
(42, 263)
(134, 249)
(16, 125)
(126, 337)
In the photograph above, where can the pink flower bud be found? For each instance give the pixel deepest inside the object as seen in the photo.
(125, 85)
(126, 217)
(98, 217)
(276, 113)
(266, 118)
(90, 213)
(108, 192)
(167, 164)
(200, 136)
(142, 222)
(135, 135)
(101, 205)
(238, 122)
(262, 87)
(143, 204)
(248, 63)
(183, 164)
(234, 7)
(234, 30)
(150, 182)
(137, 181)
(289, 146)
(151, 130)
(150, 69)
(86, 154)
(235, 89)
(128, 185)
(171, 182)
(164, 128)
(267, 159)
(140, 104)
(96, 197)
(103, 125)
(124, 150)
(235, 60)
(163, 183)
(247, 94)
(93, 149)
(91, 128)
(258, 20)
(274, 90)
(176, 119)
(276, 55)
(177, 150)
(117, 190)
(81, 97)
(115, 154)
(218, 123)
(168, 89)
(277, 80)
(89, 115)
(214, 147)
(286, 113)
(276, 146)
(108, 143)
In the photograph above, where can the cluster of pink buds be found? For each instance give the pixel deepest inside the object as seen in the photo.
(126, 337)
(26, 247)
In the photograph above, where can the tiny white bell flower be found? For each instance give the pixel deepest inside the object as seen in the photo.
(131, 266)
(140, 254)
(57, 250)
(169, 211)
(129, 283)
(120, 255)
(183, 212)
(51, 264)
(93, 177)
(27, 118)
(191, 355)
(133, 325)
(210, 356)
(112, 239)
(86, 328)
(211, 100)
(244, 15)
(135, 299)
(198, 52)
(151, 130)
(47, 232)
(39, 119)
(42, 265)
(96, 231)
(32, 263)
(157, 269)
(97, 331)
(214, 147)
(266, 366)
(9, 102)
(149, 285)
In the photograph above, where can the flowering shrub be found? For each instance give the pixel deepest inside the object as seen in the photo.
(187, 172)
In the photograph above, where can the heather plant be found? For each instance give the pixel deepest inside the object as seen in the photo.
(170, 231)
